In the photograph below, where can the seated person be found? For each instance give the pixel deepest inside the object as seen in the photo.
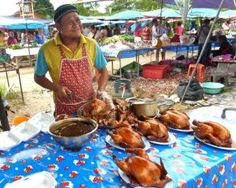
(225, 47)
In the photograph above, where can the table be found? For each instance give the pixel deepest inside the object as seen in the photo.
(181, 47)
(188, 162)
(224, 69)
(6, 66)
(123, 54)
(18, 54)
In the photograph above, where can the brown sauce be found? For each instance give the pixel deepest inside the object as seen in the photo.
(74, 128)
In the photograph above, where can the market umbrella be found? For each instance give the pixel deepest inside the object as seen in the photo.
(166, 12)
(207, 3)
(20, 23)
(228, 14)
(202, 12)
(126, 15)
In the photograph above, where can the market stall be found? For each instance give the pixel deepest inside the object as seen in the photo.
(189, 161)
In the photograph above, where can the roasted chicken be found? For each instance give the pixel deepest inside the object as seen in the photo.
(153, 130)
(142, 171)
(126, 137)
(175, 119)
(213, 133)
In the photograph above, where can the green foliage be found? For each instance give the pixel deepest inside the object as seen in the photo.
(88, 9)
(44, 8)
(145, 5)
(120, 5)
(10, 95)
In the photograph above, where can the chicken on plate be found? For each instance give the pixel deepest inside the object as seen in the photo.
(141, 171)
(212, 132)
(175, 119)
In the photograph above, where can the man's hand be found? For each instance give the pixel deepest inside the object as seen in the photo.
(63, 92)
(103, 95)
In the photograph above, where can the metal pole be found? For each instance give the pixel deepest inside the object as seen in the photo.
(201, 53)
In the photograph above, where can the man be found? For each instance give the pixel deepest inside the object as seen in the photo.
(70, 59)
(157, 32)
(202, 36)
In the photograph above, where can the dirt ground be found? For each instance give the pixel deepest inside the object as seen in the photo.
(38, 99)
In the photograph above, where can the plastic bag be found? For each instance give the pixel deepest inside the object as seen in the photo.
(194, 92)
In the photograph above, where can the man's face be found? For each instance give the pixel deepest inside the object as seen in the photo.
(70, 26)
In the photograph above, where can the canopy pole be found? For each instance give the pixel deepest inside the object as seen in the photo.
(203, 48)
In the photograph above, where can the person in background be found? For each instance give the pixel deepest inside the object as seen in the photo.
(39, 37)
(225, 47)
(86, 30)
(202, 33)
(116, 30)
(179, 30)
(146, 34)
(70, 58)
(94, 33)
(157, 32)
(2, 40)
(11, 39)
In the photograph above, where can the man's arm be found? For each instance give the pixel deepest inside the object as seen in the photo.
(45, 82)
(102, 78)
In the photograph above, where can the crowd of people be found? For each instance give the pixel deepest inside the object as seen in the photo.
(9, 38)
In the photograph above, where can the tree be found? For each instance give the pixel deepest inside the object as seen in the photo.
(87, 9)
(44, 8)
(142, 5)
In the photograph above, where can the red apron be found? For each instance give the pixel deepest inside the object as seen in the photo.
(76, 75)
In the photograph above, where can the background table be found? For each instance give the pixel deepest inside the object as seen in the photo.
(188, 162)
(18, 54)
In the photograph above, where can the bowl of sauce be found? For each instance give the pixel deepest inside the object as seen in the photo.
(73, 133)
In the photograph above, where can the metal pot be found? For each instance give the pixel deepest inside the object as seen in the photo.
(145, 108)
(72, 142)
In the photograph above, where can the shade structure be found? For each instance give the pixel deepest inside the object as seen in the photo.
(202, 12)
(20, 23)
(228, 14)
(207, 3)
(166, 12)
(126, 15)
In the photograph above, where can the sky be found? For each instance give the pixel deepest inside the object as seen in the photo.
(10, 6)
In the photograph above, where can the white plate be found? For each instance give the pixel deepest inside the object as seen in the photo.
(171, 140)
(38, 180)
(25, 131)
(233, 148)
(126, 179)
(182, 130)
(42, 121)
(8, 140)
(110, 141)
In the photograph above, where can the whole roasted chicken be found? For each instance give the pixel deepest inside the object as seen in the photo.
(153, 130)
(142, 171)
(126, 137)
(175, 119)
(212, 132)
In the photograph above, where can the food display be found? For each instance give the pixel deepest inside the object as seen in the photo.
(141, 171)
(126, 137)
(212, 132)
(154, 130)
(175, 119)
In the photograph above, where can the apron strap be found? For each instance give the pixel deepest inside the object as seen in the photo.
(84, 53)
(63, 56)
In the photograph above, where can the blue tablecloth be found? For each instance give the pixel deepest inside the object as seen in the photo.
(188, 162)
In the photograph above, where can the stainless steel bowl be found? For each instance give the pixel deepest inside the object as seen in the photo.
(72, 142)
(145, 108)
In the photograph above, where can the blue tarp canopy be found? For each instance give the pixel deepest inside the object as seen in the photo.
(20, 23)
(228, 14)
(202, 12)
(126, 15)
(166, 12)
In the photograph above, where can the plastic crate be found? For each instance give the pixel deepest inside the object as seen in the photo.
(154, 71)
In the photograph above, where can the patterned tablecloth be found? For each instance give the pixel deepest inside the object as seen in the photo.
(188, 162)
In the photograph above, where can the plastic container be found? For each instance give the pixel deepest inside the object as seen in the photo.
(19, 119)
(154, 71)
(212, 87)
